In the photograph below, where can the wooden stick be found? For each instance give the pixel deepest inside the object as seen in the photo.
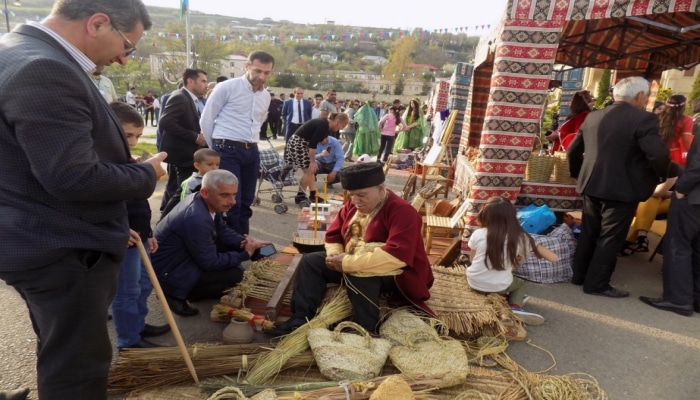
(166, 309)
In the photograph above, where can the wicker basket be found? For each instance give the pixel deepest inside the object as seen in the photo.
(539, 167)
(561, 169)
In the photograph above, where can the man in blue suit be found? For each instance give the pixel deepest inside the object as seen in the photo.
(295, 112)
(200, 256)
(65, 180)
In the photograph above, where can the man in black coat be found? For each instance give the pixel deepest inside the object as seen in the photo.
(681, 272)
(65, 178)
(624, 160)
(180, 126)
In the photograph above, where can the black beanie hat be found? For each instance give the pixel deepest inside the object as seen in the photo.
(362, 175)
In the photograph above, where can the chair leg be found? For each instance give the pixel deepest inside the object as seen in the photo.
(656, 249)
(428, 239)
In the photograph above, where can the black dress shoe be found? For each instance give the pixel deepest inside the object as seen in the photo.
(142, 344)
(661, 304)
(288, 326)
(155, 330)
(17, 394)
(181, 307)
(612, 292)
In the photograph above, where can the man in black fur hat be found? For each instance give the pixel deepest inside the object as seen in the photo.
(374, 246)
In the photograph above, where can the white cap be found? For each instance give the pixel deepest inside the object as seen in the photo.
(364, 158)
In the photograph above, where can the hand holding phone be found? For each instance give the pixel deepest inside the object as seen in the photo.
(266, 251)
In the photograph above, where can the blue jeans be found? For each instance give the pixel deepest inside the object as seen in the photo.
(129, 306)
(245, 164)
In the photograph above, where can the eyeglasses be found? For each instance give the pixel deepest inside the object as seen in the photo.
(131, 48)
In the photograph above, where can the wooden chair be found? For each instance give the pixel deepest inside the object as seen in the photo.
(434, 222)
(409, 188)
(438, 177)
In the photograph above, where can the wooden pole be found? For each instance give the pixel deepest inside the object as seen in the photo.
(166, 309)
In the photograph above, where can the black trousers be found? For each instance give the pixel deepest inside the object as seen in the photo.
(605, 226)
(386, 146)
(327, 168)
(364, 293)
(68, 302)
(275, 125)
(681, 274)
(170, 187)
(212, 284)
(183, 173)
(151, 112)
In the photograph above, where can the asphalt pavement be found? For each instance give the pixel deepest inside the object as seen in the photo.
(634, 351)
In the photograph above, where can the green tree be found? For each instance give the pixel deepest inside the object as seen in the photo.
(398, 89)
(694, 94)
(603, 89)
(400, 56)
(663, 94)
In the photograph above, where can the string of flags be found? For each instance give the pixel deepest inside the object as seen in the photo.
(383, 35)
(305, 75)
(250, 37)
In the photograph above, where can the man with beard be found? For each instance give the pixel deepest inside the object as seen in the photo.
(231, 124)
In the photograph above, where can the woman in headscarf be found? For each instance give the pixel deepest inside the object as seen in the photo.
(676, 128)
(417, 128)
(367, 133)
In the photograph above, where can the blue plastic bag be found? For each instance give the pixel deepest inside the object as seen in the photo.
(535, 219)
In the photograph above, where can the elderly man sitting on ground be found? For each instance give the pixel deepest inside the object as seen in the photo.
(374, 246)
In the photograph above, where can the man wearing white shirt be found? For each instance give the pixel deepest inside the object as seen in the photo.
(104, 85)
(231, 123)
(295, 111)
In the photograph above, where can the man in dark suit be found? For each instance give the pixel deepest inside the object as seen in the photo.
(180, 125)
(681, 272)
(199, 256)
(63, 185)
(624, 160)
(291, 113)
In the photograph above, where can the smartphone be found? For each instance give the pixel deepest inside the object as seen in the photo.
(265, 251)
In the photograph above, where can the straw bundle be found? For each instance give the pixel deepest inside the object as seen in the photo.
(138, 370)
(467, 313)
(259, 281)
(337, 309)
(223, 313)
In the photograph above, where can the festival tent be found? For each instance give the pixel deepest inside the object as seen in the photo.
(514, 69)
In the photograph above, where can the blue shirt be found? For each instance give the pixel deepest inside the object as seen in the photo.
(335, 155)
(234, 112)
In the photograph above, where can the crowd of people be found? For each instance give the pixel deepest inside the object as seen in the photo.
(75, 219)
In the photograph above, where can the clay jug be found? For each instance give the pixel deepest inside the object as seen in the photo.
(237, 332)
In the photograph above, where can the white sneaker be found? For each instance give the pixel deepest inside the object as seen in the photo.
(528, 317)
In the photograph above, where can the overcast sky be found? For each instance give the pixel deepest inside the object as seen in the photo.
(404, 14)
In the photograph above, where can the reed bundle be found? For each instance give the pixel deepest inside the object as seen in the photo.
(139, 370)
(335, 310)
(224, 313)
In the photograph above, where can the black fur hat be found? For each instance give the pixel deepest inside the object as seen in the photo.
(362, 175)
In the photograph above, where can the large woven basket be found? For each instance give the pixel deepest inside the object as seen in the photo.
(342, 356)
(539, 165)
(561, 168)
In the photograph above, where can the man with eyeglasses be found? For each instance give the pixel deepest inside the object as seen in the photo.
(65, 183)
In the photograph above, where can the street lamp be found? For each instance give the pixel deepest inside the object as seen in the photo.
(7, 13)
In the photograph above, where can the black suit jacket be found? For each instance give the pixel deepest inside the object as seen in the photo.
(65, 176)
(618, 154)
(689, 181)
(180, 126)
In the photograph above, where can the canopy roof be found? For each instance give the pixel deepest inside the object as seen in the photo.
(646, 44)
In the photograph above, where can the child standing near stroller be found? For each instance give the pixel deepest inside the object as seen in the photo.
(498, 248)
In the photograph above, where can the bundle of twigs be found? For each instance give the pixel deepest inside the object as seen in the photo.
(224, 313)
(328, 390)
(139, 370)
(335, 310)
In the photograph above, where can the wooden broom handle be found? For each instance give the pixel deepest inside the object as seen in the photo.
(166, 309)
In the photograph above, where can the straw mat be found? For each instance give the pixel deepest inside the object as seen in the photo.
(468, 314)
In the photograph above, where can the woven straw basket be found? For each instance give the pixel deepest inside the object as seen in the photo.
(561, 169)
(347, 356)
(539, 166)
(400, 323)
(436, 358)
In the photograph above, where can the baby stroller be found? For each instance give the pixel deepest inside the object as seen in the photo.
(274, 170)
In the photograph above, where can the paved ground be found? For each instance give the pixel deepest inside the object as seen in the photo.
(634, 351)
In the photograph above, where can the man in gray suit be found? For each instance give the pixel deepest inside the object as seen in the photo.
(624, 160)
(64, 182)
